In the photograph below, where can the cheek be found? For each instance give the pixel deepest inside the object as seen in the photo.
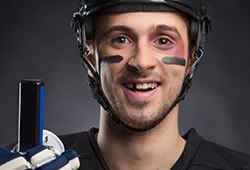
(175, 73)
(176, 59)
(180, 49)
(105, 73)
(110, 72)
(109, 63)
(176, 55)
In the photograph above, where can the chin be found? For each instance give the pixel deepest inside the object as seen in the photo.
(143, 121)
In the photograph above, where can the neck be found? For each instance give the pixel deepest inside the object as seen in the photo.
(158, 148)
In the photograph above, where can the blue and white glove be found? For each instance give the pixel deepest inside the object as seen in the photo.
(39, 158)
(13, 161)
(49, 156)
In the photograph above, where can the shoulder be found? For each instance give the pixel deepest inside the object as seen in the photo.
(217, 156)
(75, 140)
(232, 157)
(85, 145)
(81, 142)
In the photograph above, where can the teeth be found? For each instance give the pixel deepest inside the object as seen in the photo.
(130, 86)
(143, 86)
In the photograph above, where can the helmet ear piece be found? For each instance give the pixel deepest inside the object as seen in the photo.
(193, 33)
(89, 27)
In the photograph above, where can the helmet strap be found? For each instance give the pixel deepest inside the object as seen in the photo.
(188, 79)
(93, 80)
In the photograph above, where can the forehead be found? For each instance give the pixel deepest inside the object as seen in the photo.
(141, 21)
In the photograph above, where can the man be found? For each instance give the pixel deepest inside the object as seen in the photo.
(140, 57)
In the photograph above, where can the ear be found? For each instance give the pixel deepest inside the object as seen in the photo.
(191, 58)
(90, 55)
(91, 52)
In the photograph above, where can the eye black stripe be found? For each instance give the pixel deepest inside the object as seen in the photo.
(166, 60)
(111, 59)
(174, 61)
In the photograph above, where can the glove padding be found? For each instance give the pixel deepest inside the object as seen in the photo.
(39, 158)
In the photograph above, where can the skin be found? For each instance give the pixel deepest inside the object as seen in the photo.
(142, 42)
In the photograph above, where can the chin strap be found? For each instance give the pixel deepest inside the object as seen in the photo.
(203, 27)
(93, 80)
(188, 79)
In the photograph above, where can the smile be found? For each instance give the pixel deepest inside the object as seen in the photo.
(141, 91)
(141, 86)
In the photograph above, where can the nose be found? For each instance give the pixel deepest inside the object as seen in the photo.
(142, 59)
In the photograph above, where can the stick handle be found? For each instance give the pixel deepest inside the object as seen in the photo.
(30, 120)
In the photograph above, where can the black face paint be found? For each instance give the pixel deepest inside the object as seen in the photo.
(174, 61)
(111, 59)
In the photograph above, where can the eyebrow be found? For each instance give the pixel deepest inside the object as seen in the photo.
(121, 28)
(164, 27)
(156, 28)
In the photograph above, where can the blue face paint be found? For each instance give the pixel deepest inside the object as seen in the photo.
(111, 59)
(174, 61)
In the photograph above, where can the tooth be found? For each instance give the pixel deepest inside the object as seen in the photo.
(139, 86)
(154, 85)
(149, 86)
(145, 86)
(130, 85)
(142, 86)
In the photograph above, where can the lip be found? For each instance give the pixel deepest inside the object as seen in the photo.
(140, 96)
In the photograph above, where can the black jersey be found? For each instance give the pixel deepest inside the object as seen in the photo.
(198, 154)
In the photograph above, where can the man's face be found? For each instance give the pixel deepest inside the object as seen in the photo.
(140, 86)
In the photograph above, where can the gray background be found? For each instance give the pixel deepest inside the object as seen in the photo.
(37, 42)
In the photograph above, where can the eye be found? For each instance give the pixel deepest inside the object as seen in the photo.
(121, 40)
(163, 41)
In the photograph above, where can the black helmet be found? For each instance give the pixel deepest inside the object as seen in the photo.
(194, 10)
